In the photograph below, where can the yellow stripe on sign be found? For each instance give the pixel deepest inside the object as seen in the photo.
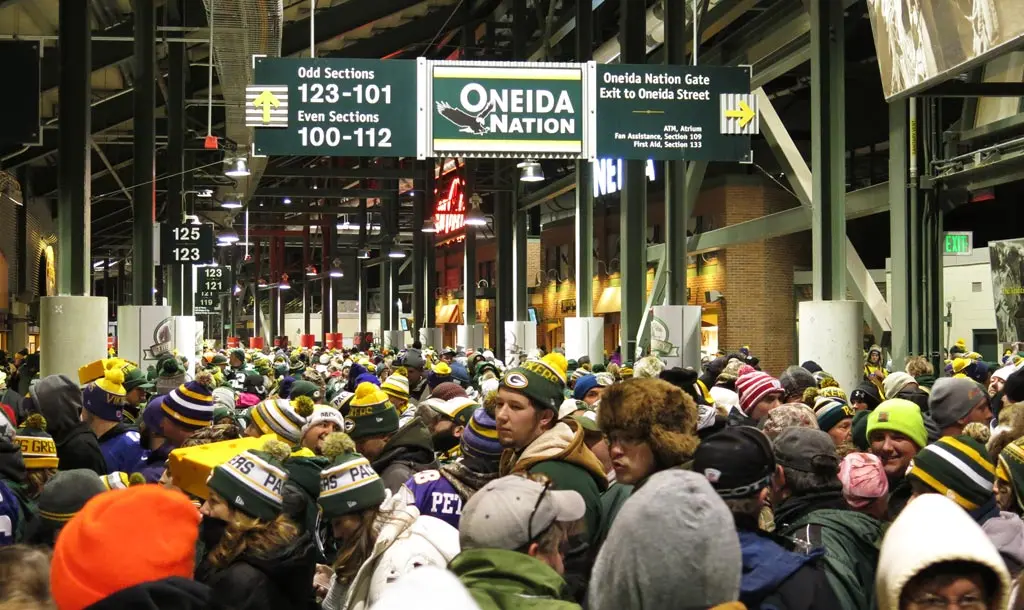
(509, 73)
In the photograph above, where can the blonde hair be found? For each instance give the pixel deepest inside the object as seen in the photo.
(24, 577)
(919, 365)
(35, 479)
(245, 533)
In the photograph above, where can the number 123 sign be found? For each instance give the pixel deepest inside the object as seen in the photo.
(186, 244)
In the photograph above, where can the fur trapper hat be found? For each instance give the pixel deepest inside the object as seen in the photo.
(656, 411)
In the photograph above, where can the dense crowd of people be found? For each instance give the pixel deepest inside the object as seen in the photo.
(350, 480)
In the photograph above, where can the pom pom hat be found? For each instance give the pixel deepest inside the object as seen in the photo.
(253, 481)
(282, 417)
(37, 447)
(104, 397)
(542, 381)
(349, 485)
(370, 413)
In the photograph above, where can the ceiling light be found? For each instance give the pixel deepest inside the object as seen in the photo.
(396, 252)
(238, 289)
(475, 216)
(238, 168)
(311, 271)
(530, 171)
(231, 204)
(364, 254)
(283, 284)
(287, 201)
(336, 272)
(227, 237)
(428, 225)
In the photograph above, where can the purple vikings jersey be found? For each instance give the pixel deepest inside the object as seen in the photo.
(434, 495)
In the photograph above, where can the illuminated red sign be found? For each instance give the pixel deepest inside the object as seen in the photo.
(450, 210)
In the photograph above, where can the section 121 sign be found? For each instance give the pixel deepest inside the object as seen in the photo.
(211, 283)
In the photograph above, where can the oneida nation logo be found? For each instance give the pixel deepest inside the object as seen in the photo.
(510, 111)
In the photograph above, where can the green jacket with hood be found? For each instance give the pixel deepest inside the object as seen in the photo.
(498, 580)
(408, 451)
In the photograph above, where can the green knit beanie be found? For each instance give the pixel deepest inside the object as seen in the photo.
(899, 415)
(253, 481)
(957, 467)
(542, 381)
(349, 485)
(370, 413)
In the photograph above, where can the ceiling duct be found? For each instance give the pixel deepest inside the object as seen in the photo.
(241, 29)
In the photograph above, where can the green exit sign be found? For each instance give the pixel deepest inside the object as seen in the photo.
(958, 243)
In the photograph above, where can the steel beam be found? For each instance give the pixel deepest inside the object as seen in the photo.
(677, 208)
(318, 193)
(430, 259)
(177, 62)
(338, 172)
(144, 128)
(73, 217)
(584, 242)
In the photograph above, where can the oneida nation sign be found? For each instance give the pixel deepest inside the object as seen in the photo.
(494, 109)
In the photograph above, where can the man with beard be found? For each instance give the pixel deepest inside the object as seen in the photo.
(446, 431)
(167, 421)
(896, 434)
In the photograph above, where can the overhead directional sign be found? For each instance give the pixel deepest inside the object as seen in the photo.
(211, 282)
(186, 244)
(485, 110)
(674, 112)
(333, 107)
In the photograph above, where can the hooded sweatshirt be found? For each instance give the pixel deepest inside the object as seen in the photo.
(673, 541)
(175, 592)
(408, 451)
(933, 529)
(776, 577)
(508, 580)
(60, 401)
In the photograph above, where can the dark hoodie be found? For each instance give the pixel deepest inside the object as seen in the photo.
(775, 577)
(14, 502)
(60, 402)
(174, 592)
(282, 580)
(408, 451)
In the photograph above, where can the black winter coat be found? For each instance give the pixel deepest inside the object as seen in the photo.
(283, 581)
(175, 592)
(408, 451)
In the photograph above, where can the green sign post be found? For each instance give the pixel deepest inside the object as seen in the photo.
(674, 112)
(957, 243)
(335, 107)
(487, 110)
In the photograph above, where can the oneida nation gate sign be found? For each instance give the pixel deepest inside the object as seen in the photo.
(491, 109)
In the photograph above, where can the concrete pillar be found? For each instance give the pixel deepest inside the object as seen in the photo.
(675, 334)
(677, 208)
(830, 334)
(584, 337)
(144, 164)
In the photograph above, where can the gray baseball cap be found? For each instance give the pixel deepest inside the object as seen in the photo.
(807, 450)
(499, 515)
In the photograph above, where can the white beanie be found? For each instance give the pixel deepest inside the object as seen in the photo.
(321, 414)
(224, 397)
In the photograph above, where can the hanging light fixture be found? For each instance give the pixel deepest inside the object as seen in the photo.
(530, 171)
(475, 216)
(287, 201)
(231, 204)
(283, 284)
(226, 238)
(336, 269)
(428, 225)
(238, 168)
(396, 252)
(364, 254)
(311, 271)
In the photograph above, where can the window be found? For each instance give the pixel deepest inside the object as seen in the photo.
(975, 286)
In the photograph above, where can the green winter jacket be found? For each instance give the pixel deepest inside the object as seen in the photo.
(851, 541)
(499, 580)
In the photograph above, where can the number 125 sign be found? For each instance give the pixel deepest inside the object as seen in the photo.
(186, 244)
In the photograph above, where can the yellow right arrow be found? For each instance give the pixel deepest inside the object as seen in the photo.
(266, 101)
(745, 114)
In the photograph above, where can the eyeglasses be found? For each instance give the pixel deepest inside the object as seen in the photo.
(929, 601)
(529, 524)
(622, 438)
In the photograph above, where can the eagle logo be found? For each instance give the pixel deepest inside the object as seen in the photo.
(466, 122)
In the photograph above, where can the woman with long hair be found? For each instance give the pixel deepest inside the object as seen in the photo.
(254, 555)
(379, 537)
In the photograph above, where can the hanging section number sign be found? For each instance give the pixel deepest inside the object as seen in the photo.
(335, 107)
(423, 108)
(211, 283)
(186, 244)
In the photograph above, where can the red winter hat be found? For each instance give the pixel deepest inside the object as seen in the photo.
(96, 556)
(755, 386)
(448, 390)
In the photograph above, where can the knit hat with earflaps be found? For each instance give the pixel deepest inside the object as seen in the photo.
(37, 447)
(190, 405)
(282, 417)
(253, 481)
(370, 413)
(349, 485)
(653, 410)
(957, 467)
(542, 381)
(104, 397)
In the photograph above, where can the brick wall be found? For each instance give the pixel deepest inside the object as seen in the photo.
(41, 228)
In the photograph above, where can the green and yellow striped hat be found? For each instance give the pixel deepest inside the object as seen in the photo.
(66, 493)
(957, 467)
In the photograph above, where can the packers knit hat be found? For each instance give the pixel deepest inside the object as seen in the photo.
(755, 386)
(1011, 469)
(323, 413)
(104, 397)
(190, 404)
(160, 544)
(902, 416)
(440, 373)
(303, 387)
(480, 438)
(342, 401)
(37, 447)
(253, 481)
(370, 413)
(830, 411)
(66, 493)
(238, 354)
(349, 485)
(136, 378)
(458, 409)
(738, 461)
(122, 480)
(282, 417)
(542, 381)
(957, 467)
(397, 386)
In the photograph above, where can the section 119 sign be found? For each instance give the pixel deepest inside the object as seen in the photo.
(335, 107)
(211, 282)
